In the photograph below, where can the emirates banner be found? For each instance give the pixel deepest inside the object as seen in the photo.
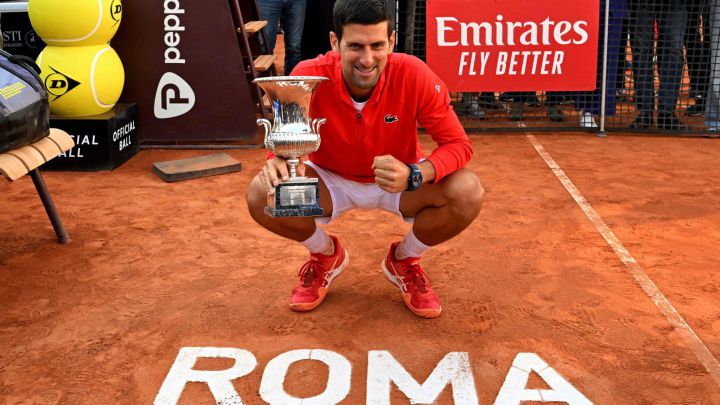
(513, 45)
(184, 70)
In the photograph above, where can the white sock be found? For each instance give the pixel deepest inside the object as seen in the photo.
(410, 247)
(318, 242)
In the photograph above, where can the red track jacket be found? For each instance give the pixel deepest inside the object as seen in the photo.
(408, 93)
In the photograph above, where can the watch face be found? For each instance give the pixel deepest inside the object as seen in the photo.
(416, 179)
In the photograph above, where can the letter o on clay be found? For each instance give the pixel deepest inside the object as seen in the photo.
(338, 385)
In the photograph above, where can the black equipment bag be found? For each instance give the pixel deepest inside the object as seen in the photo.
(24, 107)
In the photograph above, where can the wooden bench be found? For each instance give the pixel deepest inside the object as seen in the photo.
(26, 159)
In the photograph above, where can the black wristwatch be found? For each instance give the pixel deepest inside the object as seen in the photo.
(415, 179)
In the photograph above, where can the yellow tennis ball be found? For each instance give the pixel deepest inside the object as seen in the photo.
(83, 80)
(75, 22)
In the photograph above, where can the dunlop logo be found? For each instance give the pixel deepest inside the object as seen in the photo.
(59, 84)
(116, 11)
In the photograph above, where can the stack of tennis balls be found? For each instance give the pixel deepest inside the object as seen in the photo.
(82, 73)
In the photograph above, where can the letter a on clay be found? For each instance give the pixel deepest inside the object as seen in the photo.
(513, 390)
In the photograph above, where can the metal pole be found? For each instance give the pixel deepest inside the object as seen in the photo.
(49, 205)
(603, 96)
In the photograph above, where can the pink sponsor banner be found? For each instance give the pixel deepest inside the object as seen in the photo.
(513, 45)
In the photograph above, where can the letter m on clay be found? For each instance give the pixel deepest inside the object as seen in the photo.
(454, 369)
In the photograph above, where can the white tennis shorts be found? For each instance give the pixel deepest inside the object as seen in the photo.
(348, 195)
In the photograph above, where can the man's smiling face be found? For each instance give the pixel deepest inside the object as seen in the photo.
(364, 51)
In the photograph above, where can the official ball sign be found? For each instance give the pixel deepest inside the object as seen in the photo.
(102, 142)
(514, 45)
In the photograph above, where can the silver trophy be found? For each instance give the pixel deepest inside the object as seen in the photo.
(292, 135)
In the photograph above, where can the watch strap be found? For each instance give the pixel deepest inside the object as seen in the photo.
(415, 172)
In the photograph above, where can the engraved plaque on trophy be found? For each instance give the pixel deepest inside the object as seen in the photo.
(291, 135)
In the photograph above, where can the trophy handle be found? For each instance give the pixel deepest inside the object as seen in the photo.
(266, 124)
(316, 123)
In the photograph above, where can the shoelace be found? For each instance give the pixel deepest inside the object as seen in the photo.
(416, 276)
(309, 272)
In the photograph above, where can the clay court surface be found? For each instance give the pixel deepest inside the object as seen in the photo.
(154, 267)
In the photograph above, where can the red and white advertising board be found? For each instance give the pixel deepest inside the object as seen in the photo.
(513, 45)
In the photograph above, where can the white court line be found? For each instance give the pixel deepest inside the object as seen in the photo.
(691, 339)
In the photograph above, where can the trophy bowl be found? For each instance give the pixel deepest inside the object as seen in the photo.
(291, 135)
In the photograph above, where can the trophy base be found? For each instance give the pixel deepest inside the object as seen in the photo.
(294, 212)
(297, 197)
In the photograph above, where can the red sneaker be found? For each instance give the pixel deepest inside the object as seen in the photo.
(413, 283)
(316, 276)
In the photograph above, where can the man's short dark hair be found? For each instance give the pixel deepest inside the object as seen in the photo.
(365, 12)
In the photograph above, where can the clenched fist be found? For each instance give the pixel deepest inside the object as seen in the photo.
(390, 174)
